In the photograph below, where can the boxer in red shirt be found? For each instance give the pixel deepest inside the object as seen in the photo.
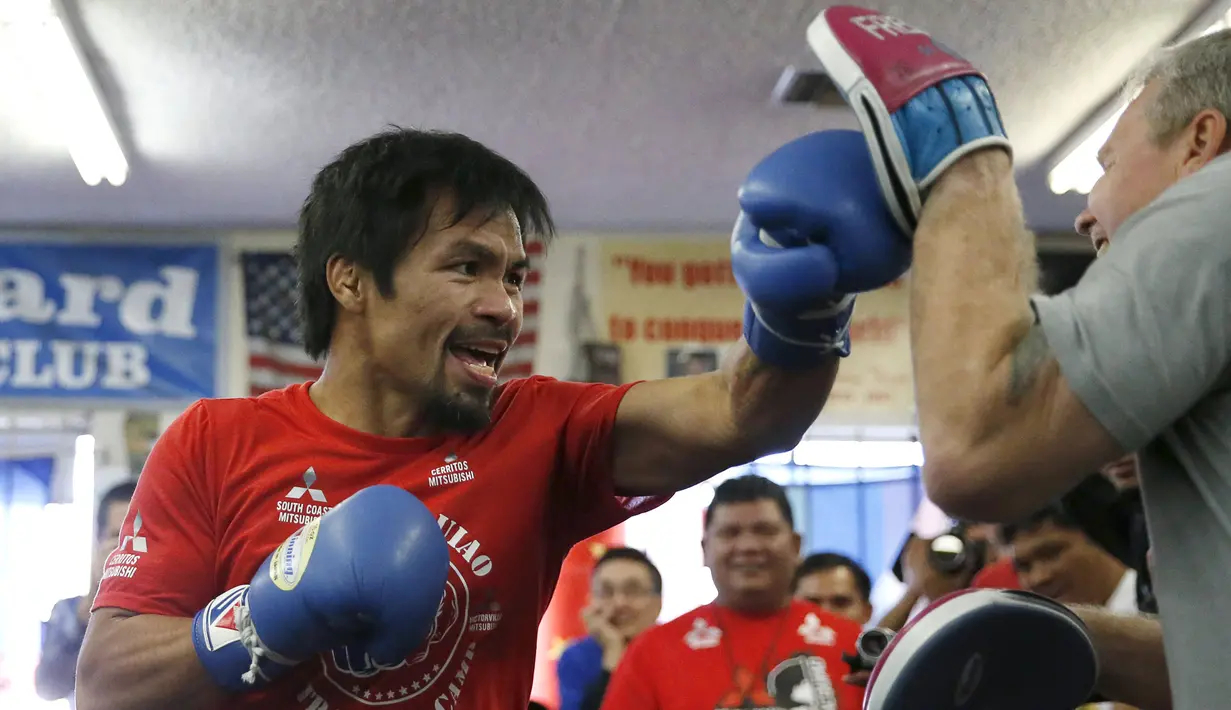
(412, 262)
(754, 646)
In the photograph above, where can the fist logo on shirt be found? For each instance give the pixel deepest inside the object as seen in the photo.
(802, 683)
(364, 680)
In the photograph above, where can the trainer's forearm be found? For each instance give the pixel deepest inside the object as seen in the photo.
(1132, 665)
(773, 407)
(971, 278)
(142, 663)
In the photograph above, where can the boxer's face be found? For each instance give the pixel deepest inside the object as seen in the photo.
(1061, 564)
(455, 311)
(751, 551)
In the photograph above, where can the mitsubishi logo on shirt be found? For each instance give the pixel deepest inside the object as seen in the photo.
(309, 480)
(137, 540)
(455, 470)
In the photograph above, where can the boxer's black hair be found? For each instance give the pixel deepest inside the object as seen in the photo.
(632, 555)
(824, 561)
(748, 489)
(372, 204)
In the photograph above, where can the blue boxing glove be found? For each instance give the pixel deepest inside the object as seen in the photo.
(368, 576)
(813, 231)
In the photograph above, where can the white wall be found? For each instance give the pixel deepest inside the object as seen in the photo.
(570, 275)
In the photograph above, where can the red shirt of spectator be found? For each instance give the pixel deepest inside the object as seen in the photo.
(754, 647)
(998, 575)
(715, 657)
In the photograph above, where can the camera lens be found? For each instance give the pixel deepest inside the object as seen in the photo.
(947, 553)
(872, 643)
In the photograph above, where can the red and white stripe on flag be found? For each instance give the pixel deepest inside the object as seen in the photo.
(520, 360)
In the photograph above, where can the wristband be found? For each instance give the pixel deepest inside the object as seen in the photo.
(799, 341)
(228, 647)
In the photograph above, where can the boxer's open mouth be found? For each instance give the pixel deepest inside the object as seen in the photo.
(1101, 246)
(482, 359)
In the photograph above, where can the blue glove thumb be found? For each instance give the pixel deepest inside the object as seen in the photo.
(775, 278)
(822, 189)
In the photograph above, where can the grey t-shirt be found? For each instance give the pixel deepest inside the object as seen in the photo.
(1144, 340)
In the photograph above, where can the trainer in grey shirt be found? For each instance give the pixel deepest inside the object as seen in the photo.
(1144, 340)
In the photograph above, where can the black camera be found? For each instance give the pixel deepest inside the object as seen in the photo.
(954, 552)
(869, 647)
(950, 553)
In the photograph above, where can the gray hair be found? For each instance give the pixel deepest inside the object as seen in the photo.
(1193, 76)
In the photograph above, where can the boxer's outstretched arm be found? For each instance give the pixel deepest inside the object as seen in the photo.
(1002, 432)
(142, 662)
(674, 433)
(1132, 666)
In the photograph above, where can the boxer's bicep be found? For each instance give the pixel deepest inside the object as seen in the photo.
(674, 433)
(669, 435)
(131, 661)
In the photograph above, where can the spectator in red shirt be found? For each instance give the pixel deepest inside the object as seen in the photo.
(999, 575)
(836, 583)
(754, 646)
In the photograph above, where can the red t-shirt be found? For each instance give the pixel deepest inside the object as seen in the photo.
(712, 657)
(232, 478)
(998, 575)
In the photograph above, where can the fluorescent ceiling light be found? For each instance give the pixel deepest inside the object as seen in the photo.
(69, 93)
(1079, 170)
(830, 453)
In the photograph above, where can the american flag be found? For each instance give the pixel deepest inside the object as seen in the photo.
(275, 354)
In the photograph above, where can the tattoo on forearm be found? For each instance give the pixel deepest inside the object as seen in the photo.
(1027, 362)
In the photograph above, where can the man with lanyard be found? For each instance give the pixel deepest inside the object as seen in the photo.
(753, 646)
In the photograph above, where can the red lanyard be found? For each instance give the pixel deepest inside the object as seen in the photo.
(725, 640)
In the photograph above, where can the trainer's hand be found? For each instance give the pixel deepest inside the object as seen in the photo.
(979, 649)
(368, 575)
(814, 230)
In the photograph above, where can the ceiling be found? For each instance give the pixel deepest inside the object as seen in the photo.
(634, 115)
